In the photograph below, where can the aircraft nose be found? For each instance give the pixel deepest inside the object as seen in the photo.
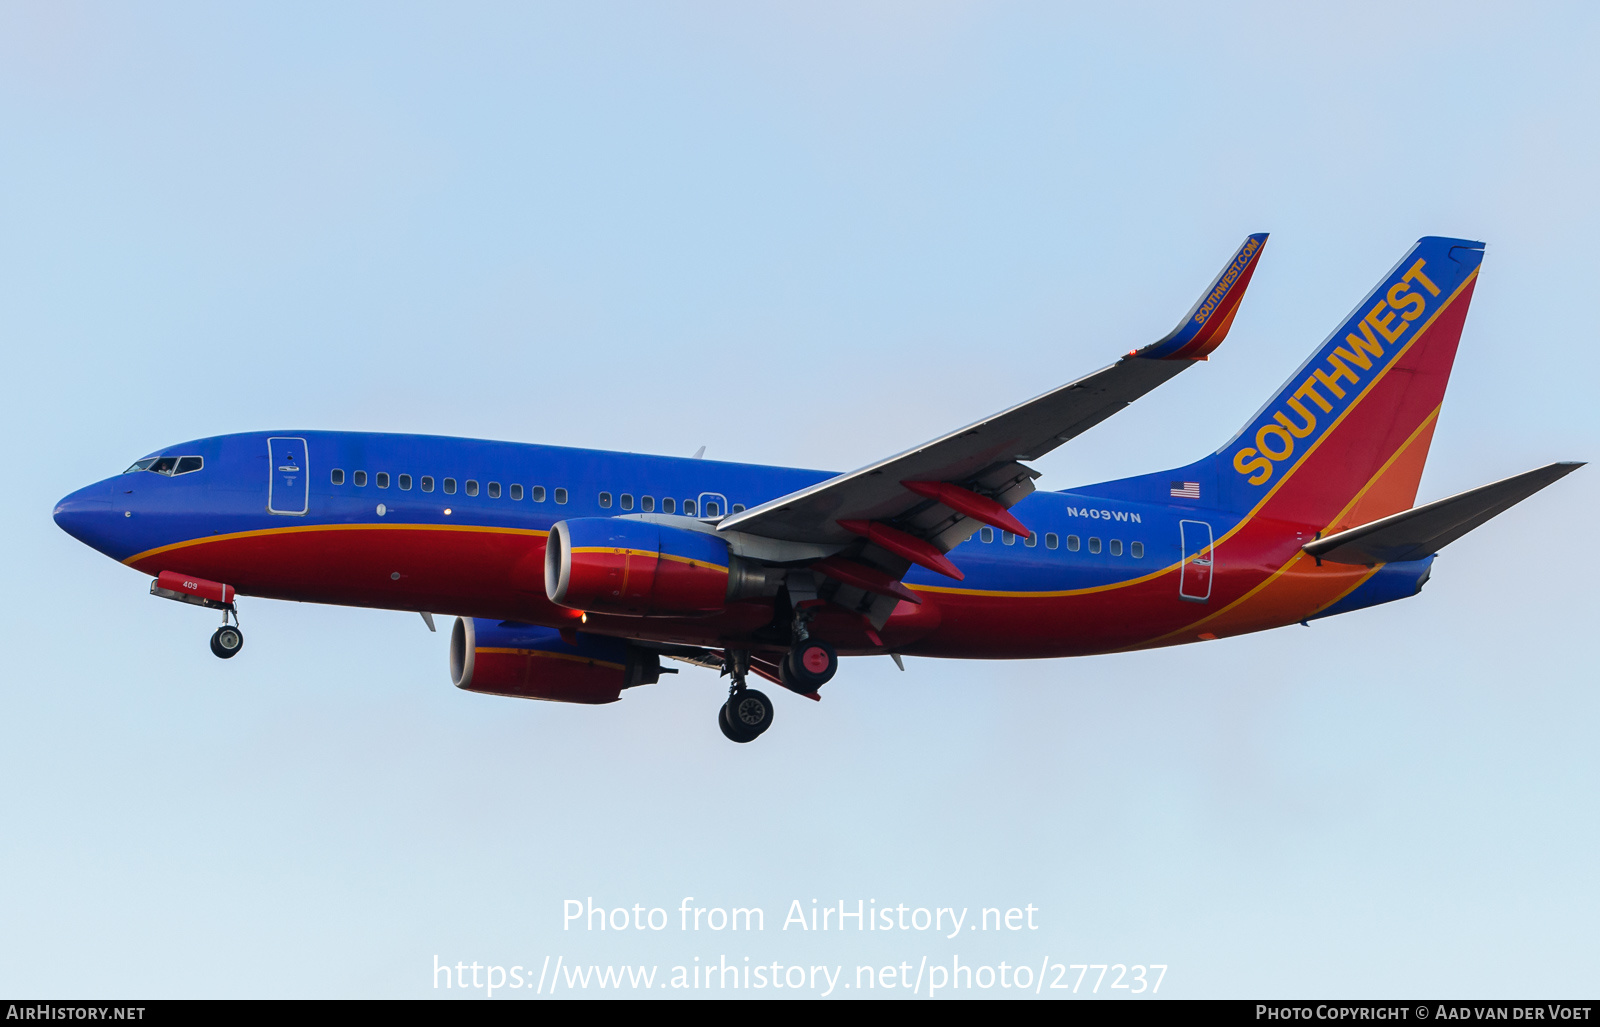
(86, 515)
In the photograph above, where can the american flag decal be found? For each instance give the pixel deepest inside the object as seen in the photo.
(1186, 489)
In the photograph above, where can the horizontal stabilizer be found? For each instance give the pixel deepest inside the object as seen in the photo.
(1414, 534)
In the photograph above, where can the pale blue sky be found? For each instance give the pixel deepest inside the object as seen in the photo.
(810, 234)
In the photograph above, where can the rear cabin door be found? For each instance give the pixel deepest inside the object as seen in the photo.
(288, 486)
(1194, 581)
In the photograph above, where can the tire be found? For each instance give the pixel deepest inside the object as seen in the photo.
(226, 642)
(812, 664)
(727, 731)
(748, 714)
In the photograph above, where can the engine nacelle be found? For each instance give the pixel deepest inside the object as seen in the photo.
(531, 662)
(638, 568)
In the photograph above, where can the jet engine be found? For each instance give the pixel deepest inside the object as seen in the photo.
(530, 662)
(639, 568)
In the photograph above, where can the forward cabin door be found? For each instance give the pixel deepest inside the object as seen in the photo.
(288, 484)
(1194, 580)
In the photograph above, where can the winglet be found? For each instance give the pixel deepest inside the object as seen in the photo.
(1206, 325)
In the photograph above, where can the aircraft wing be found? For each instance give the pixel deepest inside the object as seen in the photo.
(975, 473)
(1413, 534)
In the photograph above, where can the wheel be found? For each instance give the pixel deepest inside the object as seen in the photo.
(727, 729)
(227, 642)
(747, 715)
(812, 664)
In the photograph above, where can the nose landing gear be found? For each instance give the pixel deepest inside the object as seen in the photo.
(227, 640)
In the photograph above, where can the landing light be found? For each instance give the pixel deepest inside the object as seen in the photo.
(447, 511)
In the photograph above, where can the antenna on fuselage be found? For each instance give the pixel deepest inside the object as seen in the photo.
(700, 452)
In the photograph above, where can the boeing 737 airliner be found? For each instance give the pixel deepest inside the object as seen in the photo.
(573, 572)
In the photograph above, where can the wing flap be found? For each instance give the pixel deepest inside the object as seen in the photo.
(1414, 534)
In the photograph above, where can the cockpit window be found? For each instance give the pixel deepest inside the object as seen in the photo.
(168, 465)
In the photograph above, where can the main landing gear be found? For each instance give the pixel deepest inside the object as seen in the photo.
(748, 713)
(809, 664)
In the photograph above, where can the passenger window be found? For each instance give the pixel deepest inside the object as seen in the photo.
(1137, 549)
(449, 486)
(1072, 543)
(605, 500)
(494, 490)
(361, 479)
(1116, 547)
(669, 505)
(987, 534)
(688, 508)
(516, 493)
(1050, 540)
(647, 503)
(538, 493)
(1032, 539)
(627, 501)
(561, 496)
(338, 476)
(738, 508)
(713, 508)
(189, 464)
(427, 483)
(472, 487)
(1094, 545)
(1007, 538)
(405, 483)
(383, 479)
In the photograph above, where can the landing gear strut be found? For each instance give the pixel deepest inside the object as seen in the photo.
(747, 713)
(227, 640)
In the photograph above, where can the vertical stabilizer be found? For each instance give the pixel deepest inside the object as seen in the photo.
(1344, 441)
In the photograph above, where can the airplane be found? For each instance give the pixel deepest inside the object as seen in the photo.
(573, 573)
